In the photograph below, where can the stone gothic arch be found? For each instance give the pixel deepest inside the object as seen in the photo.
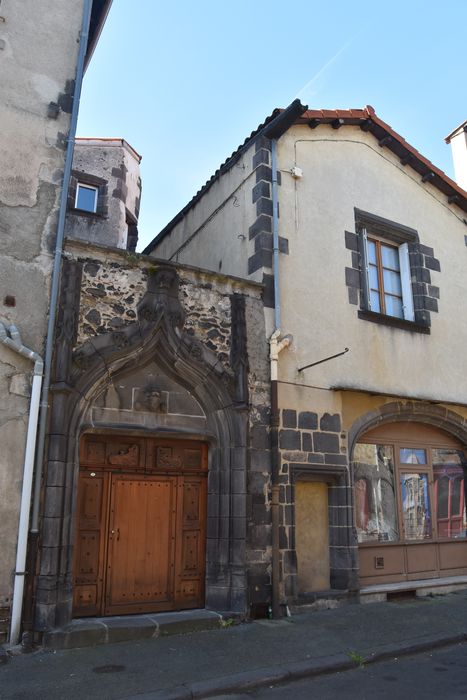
(83, 378)
(409, 411)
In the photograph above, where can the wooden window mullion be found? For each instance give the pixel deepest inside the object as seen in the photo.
(379, 262)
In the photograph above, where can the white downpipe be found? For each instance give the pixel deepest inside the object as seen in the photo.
(275, 347)
(12, 339)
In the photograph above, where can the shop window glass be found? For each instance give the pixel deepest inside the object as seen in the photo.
(448, 478)
(442, 502)
(416, 512)
(362, 504)
(376, 514)
(412, 456)
(455, 500)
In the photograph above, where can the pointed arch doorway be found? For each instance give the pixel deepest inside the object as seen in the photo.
(140, 525)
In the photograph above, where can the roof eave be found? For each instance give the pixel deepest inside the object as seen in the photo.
(367, 120)
(276, 125)
(99, 12)
(273, 127)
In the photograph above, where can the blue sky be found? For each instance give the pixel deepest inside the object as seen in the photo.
(185, 82)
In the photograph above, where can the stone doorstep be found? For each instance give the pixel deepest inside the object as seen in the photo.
(85, 632)
(378, 593)
(322, 600)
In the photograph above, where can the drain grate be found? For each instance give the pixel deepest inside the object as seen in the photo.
(401, 596)
(110, 668)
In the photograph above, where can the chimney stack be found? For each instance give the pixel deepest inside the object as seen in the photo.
(458, 141)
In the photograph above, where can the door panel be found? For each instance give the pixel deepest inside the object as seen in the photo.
(141, 544)
(422, 558)
(453, 555)
(90, 542)
(312, 535)
(190, 558)
(381, 562)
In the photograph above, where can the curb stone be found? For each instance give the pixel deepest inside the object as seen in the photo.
(389, 651)
(257, 678)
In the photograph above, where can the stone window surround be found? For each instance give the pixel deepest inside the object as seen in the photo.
(422, 262)
(82, 178)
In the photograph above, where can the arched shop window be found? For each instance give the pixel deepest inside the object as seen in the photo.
(406, 491)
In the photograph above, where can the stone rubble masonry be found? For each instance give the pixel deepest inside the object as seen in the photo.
(312, 445)
(112, 290)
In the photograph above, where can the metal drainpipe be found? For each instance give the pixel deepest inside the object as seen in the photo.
(56, 272)
(12, 339)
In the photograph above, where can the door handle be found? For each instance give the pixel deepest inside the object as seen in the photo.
(117, 530)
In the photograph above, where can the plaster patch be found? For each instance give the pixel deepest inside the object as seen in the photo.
(46, 88)
(20, 385)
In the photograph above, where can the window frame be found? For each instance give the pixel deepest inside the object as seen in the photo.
(406, 296)
(87, 186)
(400, 236)
(428, 469)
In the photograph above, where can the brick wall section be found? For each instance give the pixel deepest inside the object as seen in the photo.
(312, 443)
(422, 263)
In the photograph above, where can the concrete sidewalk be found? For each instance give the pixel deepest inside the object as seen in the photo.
(215, 662)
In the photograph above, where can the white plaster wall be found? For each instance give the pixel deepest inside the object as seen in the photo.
(38, 52)
(344, 169)
(220, 222)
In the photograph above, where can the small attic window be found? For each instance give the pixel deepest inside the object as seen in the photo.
(86, 197)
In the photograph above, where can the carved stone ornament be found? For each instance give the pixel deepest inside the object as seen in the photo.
(120, 339)
(84, 357)
(196, 350)
(166, 460)
(161, 298)
(238, 351)
(128, 457)
(67, 319)
(150, 399)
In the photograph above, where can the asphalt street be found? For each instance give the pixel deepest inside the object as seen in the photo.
(438, 674)
(319, 646)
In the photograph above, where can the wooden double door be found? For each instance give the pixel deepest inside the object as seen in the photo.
(140, 526)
